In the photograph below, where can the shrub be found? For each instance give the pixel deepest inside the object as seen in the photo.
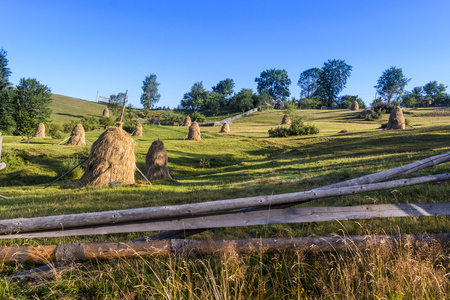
(89, 123)
(67, 164)
(14, 157)
(67, 127)
(297, 128)
(106, 121)
(52, 128)
(197, 116)
(59, 135)
(173, 117)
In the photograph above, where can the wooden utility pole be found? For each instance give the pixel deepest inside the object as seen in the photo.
(123, 108)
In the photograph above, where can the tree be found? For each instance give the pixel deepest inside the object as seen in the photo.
(243, 100)
(150, 95)
(195, 98)
(433, 92)
(332, 80)
(116, 103)
(274, 82)
(391, 84)
(412, 98)
(30, 101)
(4, 70)
(308, 82)
(225, 87)
(346, 101)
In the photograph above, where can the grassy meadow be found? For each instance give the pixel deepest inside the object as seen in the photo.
(245, 162)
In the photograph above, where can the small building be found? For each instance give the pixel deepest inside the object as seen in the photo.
(103, 100)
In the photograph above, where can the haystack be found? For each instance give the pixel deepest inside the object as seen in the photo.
(355, 105)
(396, 119)
(106, 112)
(77, 137)
(156, 162)
(111, 159)
(138, 130)
(225, 128)
(285, 120)
(119, 125)
(40, 130)
(187, 121)
(194, 132)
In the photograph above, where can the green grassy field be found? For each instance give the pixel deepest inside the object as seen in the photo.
(245, 162)
(66, 109)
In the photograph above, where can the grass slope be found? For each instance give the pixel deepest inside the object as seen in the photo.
(244, 163)
(66, 109)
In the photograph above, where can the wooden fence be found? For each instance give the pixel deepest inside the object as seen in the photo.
(228, 120)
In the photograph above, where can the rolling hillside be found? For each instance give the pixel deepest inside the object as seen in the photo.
(68, 109)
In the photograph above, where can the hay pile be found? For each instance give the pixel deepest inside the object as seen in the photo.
(187, 121)
(355, 105)
(40, 130)
(119, 125)
(194, 132)
(77, 137)
(225, 128)
(396, 119)
(138, 130)
(106, 112)
(156, 162)
(285, 120)
(114, 150)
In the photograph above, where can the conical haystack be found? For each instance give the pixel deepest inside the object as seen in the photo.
(194, 132)
(77, 137)
(156, 162)
(396, 119)
(187, 121)
(40, 130)
(119, 125)
(138, 130)
(111, 159)
(355, 105)
(285, 120)
(225, 128)
(106, 112)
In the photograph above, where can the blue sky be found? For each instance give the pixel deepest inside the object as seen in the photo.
(79, 48)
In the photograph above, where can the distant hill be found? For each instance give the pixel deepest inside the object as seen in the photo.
(67, 109)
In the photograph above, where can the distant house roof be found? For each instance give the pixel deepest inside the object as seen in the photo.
(103, 100)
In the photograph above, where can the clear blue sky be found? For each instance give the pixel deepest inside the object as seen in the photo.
(79, 48)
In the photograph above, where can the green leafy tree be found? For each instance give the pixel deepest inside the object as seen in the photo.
(274, 82)
(150, 95)
(391, 84)
(433, 92)
(195, 98)
(225, 87)
(308, 82)
(4, 70)
(332, 80)
(309, 103)
(115, 104)
(346, 101)
(243, 100)
(412, 98)
(263, 101)
(30, 103)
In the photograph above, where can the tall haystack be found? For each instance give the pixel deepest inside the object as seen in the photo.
(106, 112)
(396, 119)
(225, 128)
(194, 132)
(111, 159)
(77, 137)
(355, 105)
(285, 120)
(40, 130)
(187, 121)
(156, 162)
(138, 130)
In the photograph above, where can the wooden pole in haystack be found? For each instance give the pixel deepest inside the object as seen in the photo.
(123, 107)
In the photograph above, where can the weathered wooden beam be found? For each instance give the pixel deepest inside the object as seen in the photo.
(194, 248)
(251, 218)
(151, 213)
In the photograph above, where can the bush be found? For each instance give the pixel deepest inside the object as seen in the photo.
(197, 116)
(67, 127)
(106, 121)
(173, 117)
(67, 165)
(59, 135)
(14, 158)
(297, 128)
(52, 128)
(89, 123)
